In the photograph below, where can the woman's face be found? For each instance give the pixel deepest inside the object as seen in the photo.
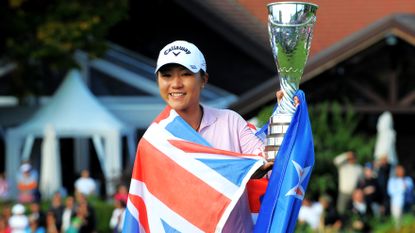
(180, 87)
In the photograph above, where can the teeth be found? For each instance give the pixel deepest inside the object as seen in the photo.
(177, 94)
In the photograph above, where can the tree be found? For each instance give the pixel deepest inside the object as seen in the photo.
(40, 37)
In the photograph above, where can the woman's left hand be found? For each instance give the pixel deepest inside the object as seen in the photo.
(264, 169)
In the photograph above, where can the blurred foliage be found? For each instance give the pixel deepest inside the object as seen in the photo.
(389, 226)
(334, 131)
(378, 225)
(40, 36)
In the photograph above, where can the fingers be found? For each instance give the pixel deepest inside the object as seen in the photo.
(279, 94)
(296, 101)
(262, 170)
(267, 166)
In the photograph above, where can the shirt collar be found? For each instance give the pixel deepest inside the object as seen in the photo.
(208, 118)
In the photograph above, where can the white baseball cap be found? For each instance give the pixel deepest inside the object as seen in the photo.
(183, 53)
(18, 209)
(25, 167)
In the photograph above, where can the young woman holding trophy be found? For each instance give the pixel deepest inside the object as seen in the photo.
(183, 139)
(181, 75)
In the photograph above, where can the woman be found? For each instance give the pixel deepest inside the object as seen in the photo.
(181, 75)
(175, 172)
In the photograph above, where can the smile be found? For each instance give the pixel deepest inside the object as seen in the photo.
(176, 94)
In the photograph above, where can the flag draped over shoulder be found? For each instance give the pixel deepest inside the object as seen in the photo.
(180, 183)
(290, 175)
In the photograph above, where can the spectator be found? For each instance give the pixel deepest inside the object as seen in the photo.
(383, 171)
(4, 188)
(68, 213)
(37, 214)
(85, 184)
(310, 213)
(330, 220)
(122, 193)
(18, 222)
(6, 211)
(34, 225)
(400, 190)
(27, 183)
(51, 223)
(57, 209)
(4, 226)
(349, 174)
(82, 222)
(359, 213)
(371, 189)
(88, 215)
(117, 217)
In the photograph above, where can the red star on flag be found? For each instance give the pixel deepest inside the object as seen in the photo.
(298, 190)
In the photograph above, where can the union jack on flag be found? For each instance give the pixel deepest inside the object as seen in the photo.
(180, 183)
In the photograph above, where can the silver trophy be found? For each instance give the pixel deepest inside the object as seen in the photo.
(290, 27)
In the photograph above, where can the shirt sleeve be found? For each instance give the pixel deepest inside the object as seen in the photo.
(250, 143)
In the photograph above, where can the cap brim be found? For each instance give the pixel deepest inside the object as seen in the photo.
(194, 70)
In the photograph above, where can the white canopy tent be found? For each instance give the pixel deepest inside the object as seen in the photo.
(73, 112)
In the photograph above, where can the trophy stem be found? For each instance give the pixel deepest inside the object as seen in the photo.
(277, 128)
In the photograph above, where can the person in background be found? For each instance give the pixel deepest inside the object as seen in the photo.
(117, 217)
(400, 190)
(4, 226)
(86, 212)
(122, 193)
(85, 184)
(359, 213)
(51, 223)
(57, 208)
(4, 188)
(349, 174)
(371, 189)
(330, 220)
(6, 211)
(37, 213)
(383, 171)
(27, 184)
(34, 225)
(310, 213)
(18, 222)
(68, 213)
(82, 221)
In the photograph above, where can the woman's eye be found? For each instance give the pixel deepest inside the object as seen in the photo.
(165, 75)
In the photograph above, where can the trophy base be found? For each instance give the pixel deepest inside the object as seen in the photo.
(277, 129)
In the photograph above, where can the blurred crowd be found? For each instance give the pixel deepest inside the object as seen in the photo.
(376, 189)
(64, 214)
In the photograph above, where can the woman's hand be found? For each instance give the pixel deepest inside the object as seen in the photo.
(263, 170)
(280, 93)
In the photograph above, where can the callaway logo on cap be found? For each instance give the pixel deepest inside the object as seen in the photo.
(183, 53)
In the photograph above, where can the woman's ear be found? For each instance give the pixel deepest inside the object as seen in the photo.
(205, 78)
